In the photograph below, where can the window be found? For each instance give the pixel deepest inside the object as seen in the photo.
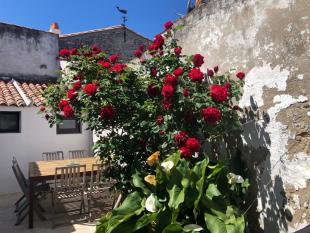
(69, 126)
(9, 122)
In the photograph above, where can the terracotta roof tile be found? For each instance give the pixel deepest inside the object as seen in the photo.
(10, 96)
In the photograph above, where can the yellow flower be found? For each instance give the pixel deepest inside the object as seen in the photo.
(153, 158)
(151, 179)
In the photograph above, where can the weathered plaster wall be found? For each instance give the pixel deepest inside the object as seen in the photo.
(27, 54)
(270, 41)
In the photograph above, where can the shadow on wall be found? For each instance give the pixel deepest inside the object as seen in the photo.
(249, 152)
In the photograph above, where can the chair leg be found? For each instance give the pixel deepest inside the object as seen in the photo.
(17, 203)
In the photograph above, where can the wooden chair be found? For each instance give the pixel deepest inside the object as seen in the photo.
(69, 187)
(76, 154)
(22, 204)
(99, 190)
(54, 155)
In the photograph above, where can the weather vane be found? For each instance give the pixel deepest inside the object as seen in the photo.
(124, 12)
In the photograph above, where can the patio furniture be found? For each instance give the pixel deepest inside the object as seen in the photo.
(22, 204)
(41, 171)
(98, 189)
(76, 154)
(54, 155)
(69, 187)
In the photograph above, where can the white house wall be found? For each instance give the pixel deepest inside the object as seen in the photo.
(35, 137)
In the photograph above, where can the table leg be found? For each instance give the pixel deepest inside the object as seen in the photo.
(31, 202)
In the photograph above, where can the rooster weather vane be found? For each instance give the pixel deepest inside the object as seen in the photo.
(124, 17)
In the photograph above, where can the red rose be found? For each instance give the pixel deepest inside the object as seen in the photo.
(113, 58)
(185, 92)
(185, 152)
(160, 120)
(74, 51)
(141, 47)
(168, 25)
(178, 51)
(193, 144)
(171, 80)
(105, 64)
(42, 109)
(211, 115)
(119, 67)
(216, 69)
(64, 53)
(71, 94)
(138, 53)
(162, 132)
(152, 91)
(167, 104)
(90, 89)
(227, 85)
(178, 71)
(240, 75)
(107, 112)
(210, 73)
(154, 72)
(196, 75)
(219, 93)
(152, 48)
(77, 85)
(62, 104)
(79, 76)
(159, 41)
(198, 60)
(68, 111)
(180, 138)
(161, 53)
(167, 91)
(95, 49)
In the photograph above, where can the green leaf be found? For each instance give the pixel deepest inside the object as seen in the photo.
(130, 207)
(144, 220)
(237, 227)
(173, 228)
(199, 170)
(139, 183)
(176, 196)
(214, 224)
(212, 191)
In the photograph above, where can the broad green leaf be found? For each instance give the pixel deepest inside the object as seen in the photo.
(164, 219)
(130, 207)
(144, 220)
(200, 170)
(237, 227)
(176, 196)
(214, 224)
(173, 228)
(212, 191)
(138, 181)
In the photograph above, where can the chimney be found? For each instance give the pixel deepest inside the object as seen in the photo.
(55, 28)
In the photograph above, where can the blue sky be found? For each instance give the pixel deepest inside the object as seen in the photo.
(145, 16)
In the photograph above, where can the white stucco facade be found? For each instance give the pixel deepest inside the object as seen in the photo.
(35, 137)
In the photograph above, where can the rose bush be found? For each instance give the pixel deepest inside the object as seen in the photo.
(163, 102)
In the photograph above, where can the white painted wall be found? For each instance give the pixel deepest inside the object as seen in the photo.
(35, 137)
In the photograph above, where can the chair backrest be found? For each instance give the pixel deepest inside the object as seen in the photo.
(76, 154)
(54, 155)
(19, 171)
(70, 178)
(96, 174)
(21, 180)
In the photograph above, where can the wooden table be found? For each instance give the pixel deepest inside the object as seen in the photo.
(41, 171)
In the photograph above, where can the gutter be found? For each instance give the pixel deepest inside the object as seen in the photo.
(21, 93)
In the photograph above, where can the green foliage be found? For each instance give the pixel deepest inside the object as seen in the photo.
(188, 201)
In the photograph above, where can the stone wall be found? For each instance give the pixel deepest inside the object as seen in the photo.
(27, 54)
(111, 40)
(270, 41)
